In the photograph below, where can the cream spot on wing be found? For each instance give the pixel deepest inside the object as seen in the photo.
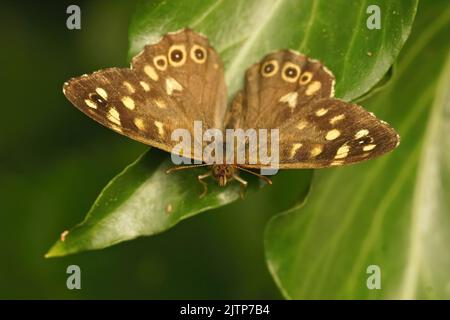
(160, 103)
(177, 55)
(129, 87)
(128, 102)
(302, 124)
(316, 150)
(321, 112)
(369, 147)
(305, 78)
(313, 88)
(215, 66)
(151, 72)
(337, 163)
(116, 128)
(269, 68)
(198, 54)
(294, 149)
(113, 116)
(361, 133)
(90, 103)
(342, 152)
(144, 85)
(337, 118)
(160, 127)
(102, 93)
(172, 85)
(139, 123)
(332, 134)
(290, 99)
(160, 62)
(290, 72)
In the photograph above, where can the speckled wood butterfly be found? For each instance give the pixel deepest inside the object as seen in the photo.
(181, 79)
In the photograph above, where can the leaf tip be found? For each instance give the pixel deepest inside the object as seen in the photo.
(52, 252)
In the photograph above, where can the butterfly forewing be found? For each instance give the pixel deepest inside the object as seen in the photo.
(331, 132)
(117, 99)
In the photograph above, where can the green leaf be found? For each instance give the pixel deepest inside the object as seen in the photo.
(392, 212)
(378, 87)
(243, 32)
(144, 200)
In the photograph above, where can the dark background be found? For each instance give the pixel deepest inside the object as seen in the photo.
(54, 161)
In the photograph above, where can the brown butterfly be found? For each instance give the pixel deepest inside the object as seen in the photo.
(181, 79)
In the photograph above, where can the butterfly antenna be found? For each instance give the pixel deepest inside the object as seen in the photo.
(191, 166)
(267, 180)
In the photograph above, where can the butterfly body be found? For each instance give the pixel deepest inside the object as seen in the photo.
(222, 173)
(180, 80)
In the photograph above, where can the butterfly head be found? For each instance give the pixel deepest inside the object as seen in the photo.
(222, 173)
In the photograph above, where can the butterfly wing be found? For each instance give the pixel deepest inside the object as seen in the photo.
(190, 71)
(169, 85)
(277, 88)
(331, 132)
(121, 100)
(294, 94)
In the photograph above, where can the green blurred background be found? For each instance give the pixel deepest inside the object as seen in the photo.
(55, 161)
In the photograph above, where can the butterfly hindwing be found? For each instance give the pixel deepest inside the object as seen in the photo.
(190, 71)
(279, 87)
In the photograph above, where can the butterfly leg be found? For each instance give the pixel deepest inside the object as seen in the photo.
(243, 184)
(205, 185)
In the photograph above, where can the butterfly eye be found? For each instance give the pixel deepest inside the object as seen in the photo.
(160, 62)
(291, 72)
(177, 55)
(198, 54)
(269, 68)
(305, 78)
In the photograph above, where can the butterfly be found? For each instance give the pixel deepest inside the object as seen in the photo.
(181, 79)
